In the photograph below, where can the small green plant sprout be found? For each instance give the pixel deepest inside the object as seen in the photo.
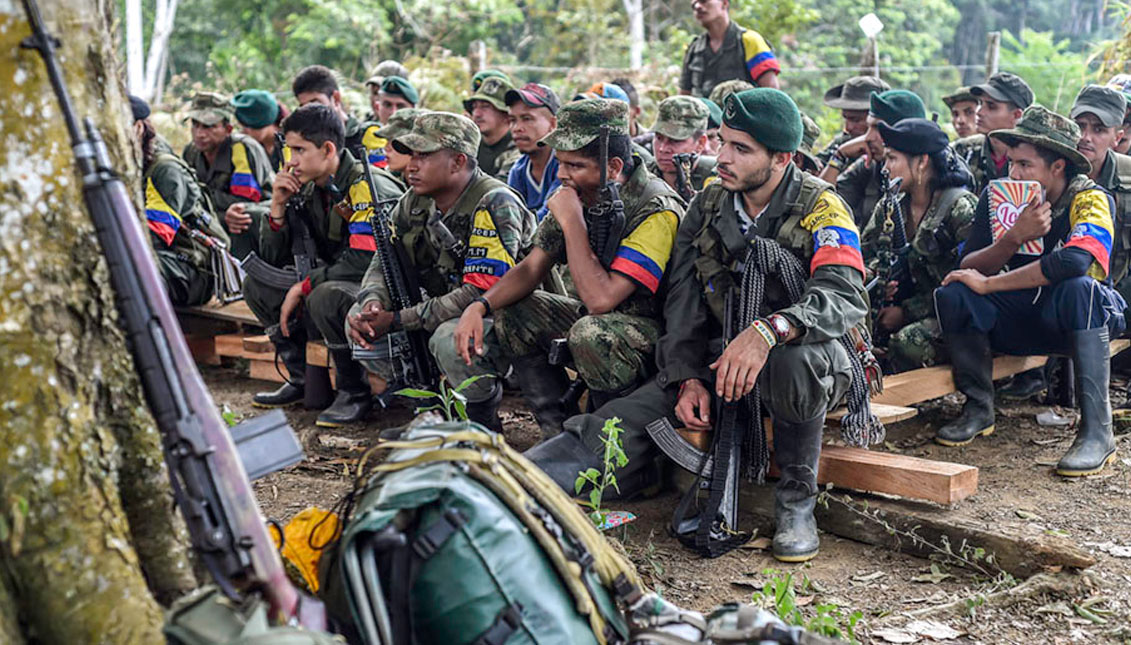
(614, 458)
(779, 595)
(451, 402)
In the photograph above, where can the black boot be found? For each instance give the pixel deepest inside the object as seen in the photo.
(354, 398)
(972, 364)
(1025, 385)
(486, 412)
(291, 352)
(797, 451)
(544, 386)
(1094, 447)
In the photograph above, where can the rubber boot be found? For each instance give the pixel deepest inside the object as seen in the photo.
(486, 412)
(544, 386)
(972, 364)
(354, 398)
(1025, 385)
(1094, 446)
(292, 354)
(797, 451)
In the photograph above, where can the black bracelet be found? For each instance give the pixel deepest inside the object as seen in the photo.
(486, 305)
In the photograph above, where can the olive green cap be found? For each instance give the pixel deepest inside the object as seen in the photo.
(579, 123)
(1108, 104)
(960, 95)
(434, 131)
(492, 90)
(679, 117)
(479, 77)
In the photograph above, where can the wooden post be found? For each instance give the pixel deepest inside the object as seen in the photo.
(477, 56)
(993, 52)
(870, 58)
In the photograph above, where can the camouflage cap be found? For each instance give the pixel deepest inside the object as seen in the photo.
(400, 123)
(479, 77)
(434, 131)
(960, 95)
(1046, 129)
(1121, 82)
(679, 117)
(210, 108)
(810, 132)
(726, 88)
(579, 123)
(1107, 103)
(385, 69)
(493, 90)
(855, 93)
(1004, 86)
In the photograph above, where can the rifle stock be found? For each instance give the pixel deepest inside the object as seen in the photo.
(208, 478)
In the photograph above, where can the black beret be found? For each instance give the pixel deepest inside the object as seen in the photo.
(914, 136)
(139, 107)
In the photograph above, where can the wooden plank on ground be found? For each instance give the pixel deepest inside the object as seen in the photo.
(1020, 552)
(265, 370)
(885, 413)
(203, 349)
(237, 311)
(260, 344)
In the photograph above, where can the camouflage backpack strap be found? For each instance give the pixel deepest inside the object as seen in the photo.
(792, 234)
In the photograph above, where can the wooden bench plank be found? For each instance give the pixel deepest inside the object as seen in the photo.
(237, 311)
(203, 349)
(917, 386)
(886, 413)
(884, 472)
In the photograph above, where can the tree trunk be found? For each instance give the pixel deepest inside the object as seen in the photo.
(83, 480)
(635, 11)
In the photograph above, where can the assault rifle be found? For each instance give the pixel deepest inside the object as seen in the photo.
(303, 250)
(605, 220)
(209, 481)
(407, 349)
(891, 248)
(684, 163)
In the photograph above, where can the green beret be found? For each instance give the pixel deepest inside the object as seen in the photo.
(715, 114)
(255, 108)
(766, 114)
(893, 106)
(400, 87)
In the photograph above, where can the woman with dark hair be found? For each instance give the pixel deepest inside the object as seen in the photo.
(937, 214)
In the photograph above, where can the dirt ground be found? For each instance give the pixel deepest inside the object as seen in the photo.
(1017, 491)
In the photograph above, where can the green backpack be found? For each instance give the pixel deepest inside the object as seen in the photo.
(457, 538)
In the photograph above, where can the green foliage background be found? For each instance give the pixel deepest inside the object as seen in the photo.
(235, 44)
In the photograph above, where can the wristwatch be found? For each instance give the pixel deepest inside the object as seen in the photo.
(781, 326)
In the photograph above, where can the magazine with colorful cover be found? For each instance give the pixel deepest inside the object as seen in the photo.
(1008, 198)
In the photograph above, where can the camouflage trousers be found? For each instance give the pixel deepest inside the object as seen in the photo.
(442, 346)
(798, 383)
(611, 352)
(916, 345)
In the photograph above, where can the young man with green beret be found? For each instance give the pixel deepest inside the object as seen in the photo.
(462, 231)
(1001, 100)
(963, 106)
(233, 167)
(316, 84)
(789, 346)
(336, 205)
(613, 324)
(534, 108)
(1040, 286)
(181, 227)
(860, 182)
(259, 116)
(488, 109)
(681, 128)
(396, 94)
(853, 99)
(384, 69)
(725, 51)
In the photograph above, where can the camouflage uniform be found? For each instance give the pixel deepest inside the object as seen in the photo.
(861, 187)
(975, 150)
(173, 206)
(612, 351)
(744, 55)
(363, 142)
(680, 118)
(808, 162)
(492, 229)
(337, 216)
(240, 173)
(1115, 177)
(933, 253)
(495, 159)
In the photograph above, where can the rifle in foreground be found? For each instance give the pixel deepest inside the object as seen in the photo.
(208, 478)
(408, 350)
(684, 163)
(891, 248)
(605, 220)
